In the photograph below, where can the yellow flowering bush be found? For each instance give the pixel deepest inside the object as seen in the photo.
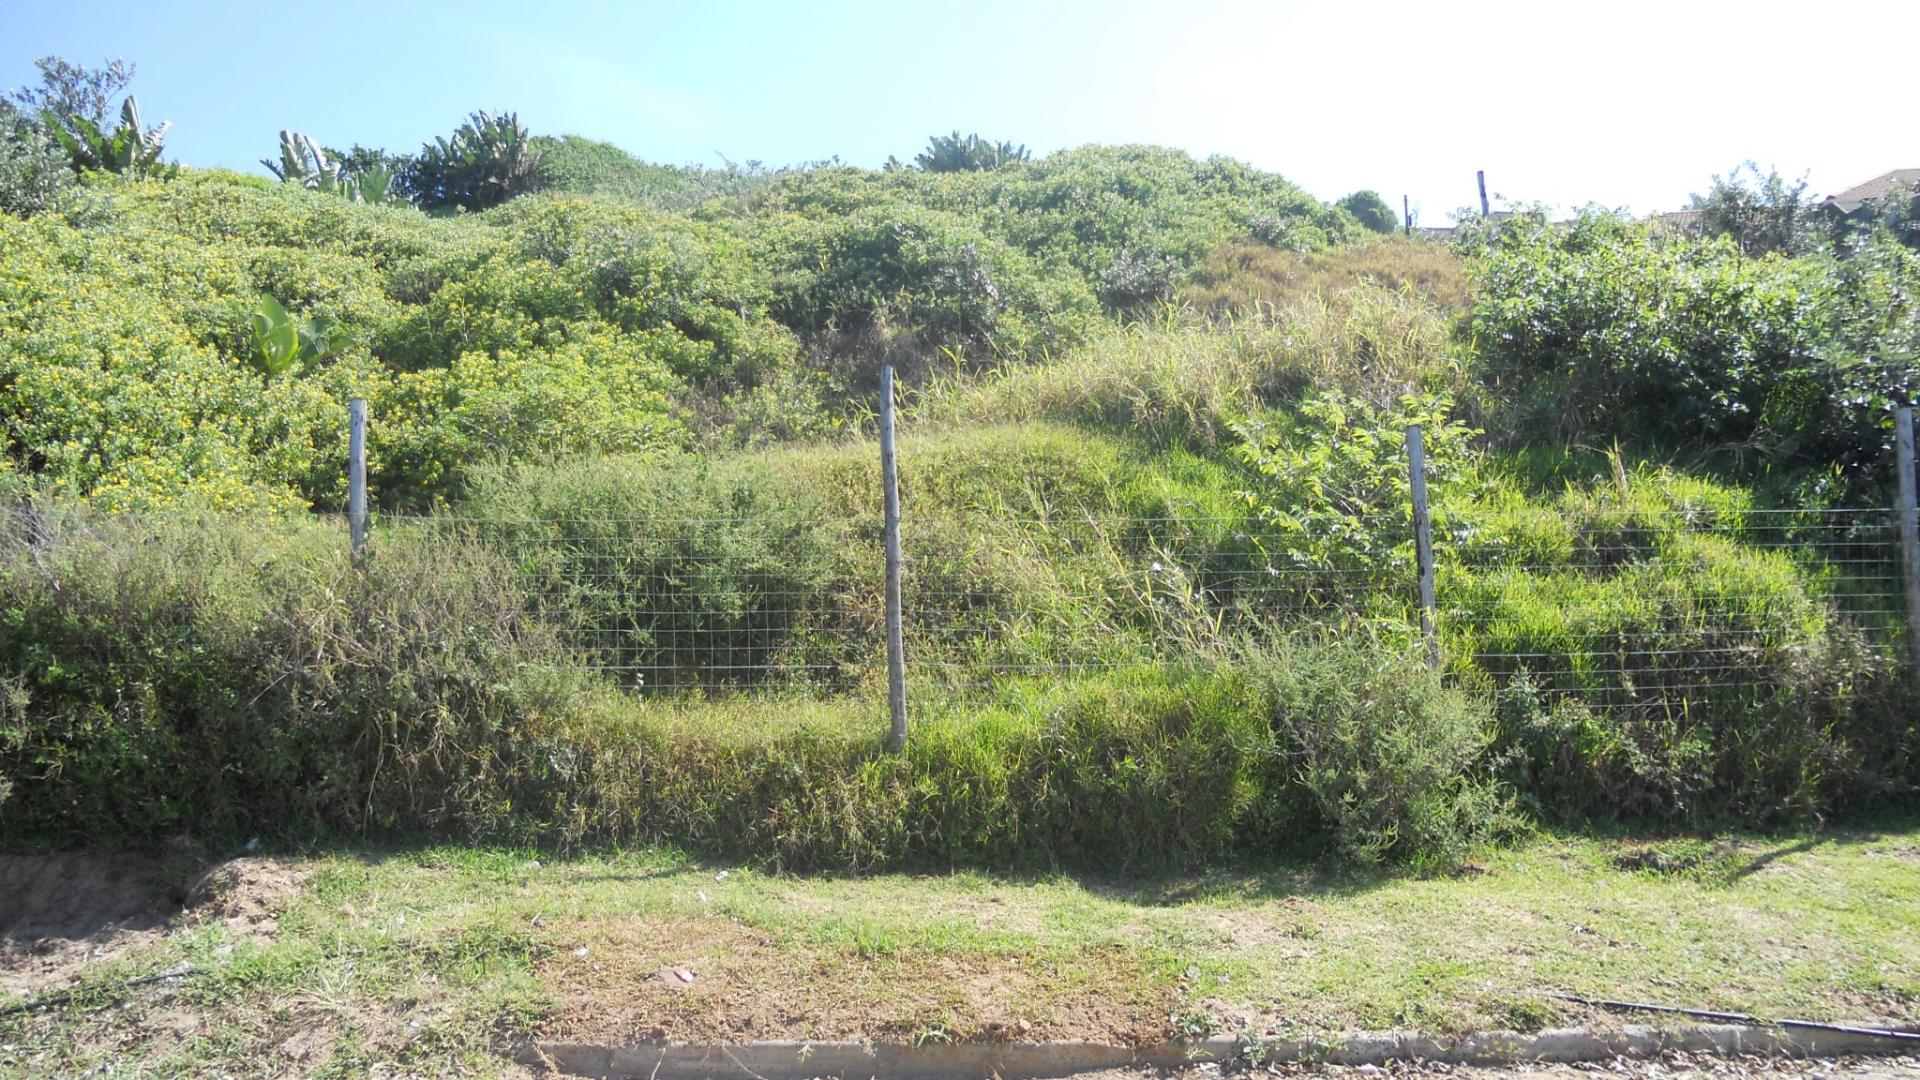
(554, 326)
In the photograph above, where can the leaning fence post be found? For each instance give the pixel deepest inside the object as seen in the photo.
(1423, 542)
(357, 475)
(896, 638)
(1909, 533)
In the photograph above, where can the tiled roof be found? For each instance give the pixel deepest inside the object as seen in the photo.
(1676, 219)
(1860, 194)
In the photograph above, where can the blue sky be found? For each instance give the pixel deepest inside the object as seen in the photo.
(1627, 104)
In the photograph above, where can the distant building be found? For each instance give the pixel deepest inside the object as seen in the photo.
(1856, 198)
(1677, 220)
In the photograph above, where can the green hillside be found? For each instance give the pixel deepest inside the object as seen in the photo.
(1160, 568)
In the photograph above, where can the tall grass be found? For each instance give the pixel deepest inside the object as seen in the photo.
(1242, 277)
(230, 678)
(1181, 382)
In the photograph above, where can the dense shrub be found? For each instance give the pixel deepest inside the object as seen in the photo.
(1607, 329)
(1130, 222)
(34, 175)
(1654, 660)
(1761, 214)
(918, 288)
(236, 677)
(1135, 220)
(580, 166)
(553, 326)
(218, 675)
(1370, 210)
(557, 325)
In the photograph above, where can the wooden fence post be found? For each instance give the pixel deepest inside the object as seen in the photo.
(357, 476)
(896, 638)
(1423, 542)
(1909, 533)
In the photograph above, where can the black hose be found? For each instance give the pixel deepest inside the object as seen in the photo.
(63, 996)
(1739, 1018)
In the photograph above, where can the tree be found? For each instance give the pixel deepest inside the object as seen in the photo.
(366, 159)
(954, 153)
(34, 174)
(71, 107)
(1371, 210)
(1762, 213)
(131, 149)
(68, 90)
(1898, 212)
(489, 160)
(363, 178)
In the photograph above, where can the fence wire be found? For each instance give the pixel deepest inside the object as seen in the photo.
(1615, 608)
(1677, 611)
(1674, 611)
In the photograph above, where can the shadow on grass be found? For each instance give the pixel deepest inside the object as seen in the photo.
(1766, 859)
(1724, 856)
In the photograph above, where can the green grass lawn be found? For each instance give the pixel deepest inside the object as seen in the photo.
(434, 959)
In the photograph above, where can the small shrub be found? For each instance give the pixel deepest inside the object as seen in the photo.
(1389, 759)
(1332, 493)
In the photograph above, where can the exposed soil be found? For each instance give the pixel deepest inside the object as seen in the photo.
(246, 894)
(1668, 1067)
(715, 979)
(64, 912)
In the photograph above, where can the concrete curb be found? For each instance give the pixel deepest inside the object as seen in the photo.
(1034, 1061)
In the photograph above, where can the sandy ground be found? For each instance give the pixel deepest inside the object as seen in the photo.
(61, 913)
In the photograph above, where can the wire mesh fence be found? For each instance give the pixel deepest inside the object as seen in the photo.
(1615, 607)
(1609, 605)
(1679, 611)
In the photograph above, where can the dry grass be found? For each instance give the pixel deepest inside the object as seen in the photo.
(1241, 277)
(1183, 381)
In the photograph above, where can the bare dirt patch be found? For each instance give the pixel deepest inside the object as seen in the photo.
(627, 980)
(63, 912)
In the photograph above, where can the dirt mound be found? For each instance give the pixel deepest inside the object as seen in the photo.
(246, 894)
(62, 912)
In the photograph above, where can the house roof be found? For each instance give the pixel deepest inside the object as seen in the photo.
(1860, 194)
(1676, 219)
